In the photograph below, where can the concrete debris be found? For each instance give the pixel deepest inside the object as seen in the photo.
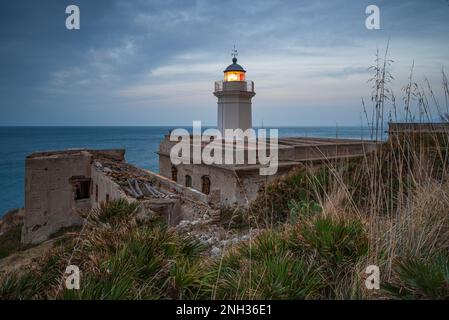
(215, 252)
(137, 189)
(136, 182)
(214, 236)
(144, 215)
(154, 192)
(107, 170)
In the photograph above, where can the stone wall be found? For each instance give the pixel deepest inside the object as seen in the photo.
(52, 181)
(49, 194)
(410, 127)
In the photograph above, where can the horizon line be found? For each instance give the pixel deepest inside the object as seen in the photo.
(178, 125)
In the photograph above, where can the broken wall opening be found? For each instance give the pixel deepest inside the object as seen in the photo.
(82, 187)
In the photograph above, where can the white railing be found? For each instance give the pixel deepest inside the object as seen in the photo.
(218, 86)
(247, 86)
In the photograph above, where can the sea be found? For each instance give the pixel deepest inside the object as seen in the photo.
(140, 143)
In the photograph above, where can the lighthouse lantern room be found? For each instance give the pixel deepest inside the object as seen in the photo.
(234, 72)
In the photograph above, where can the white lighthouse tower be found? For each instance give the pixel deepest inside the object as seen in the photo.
(234, 95)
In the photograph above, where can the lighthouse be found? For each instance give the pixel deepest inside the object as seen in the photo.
(234, 95)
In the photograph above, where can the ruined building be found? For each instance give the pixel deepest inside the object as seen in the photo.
(61, 185)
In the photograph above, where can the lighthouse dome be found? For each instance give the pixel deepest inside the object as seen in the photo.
(234, 66)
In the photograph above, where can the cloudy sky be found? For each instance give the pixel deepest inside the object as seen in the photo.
(144, 62)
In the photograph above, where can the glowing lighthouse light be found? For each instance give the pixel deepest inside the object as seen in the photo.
(234, 72)
(234, 75)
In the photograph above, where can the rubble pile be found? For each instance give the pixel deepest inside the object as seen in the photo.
(134, 181)
(215, 236)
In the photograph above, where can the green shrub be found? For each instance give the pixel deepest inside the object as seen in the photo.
(265, 269)
(336, 240)
(114, 211)
(418, 279)
(10, 241)
(19, 287)
(302, 210)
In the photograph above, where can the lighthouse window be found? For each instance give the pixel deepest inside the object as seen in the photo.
(205, 181)
(234, 76)
(188, 181)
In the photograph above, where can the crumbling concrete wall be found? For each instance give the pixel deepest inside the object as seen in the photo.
(170, 209)
(52, 181)
(104, 189)
(49, 194)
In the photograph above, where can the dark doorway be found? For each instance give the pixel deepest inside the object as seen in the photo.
(205, 184)
(174, 173)
(188, 181)
(82, 188)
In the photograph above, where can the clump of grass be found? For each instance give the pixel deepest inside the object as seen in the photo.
(300, 209)
(335, 241)
(304, 186)
(10, 241)
(64, 230)
(113, 212)
(265, 269)
(35, 282)
(234, 218)
(23, 286)
(420, 279)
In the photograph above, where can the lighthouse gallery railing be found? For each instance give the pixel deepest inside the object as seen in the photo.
(247, 85)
